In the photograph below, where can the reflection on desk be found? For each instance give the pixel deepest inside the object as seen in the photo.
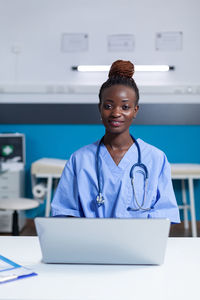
(177, 279)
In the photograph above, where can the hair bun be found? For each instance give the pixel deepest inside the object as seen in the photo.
(121, 68)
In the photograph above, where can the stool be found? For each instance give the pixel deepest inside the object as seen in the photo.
(187, 172)
(16, 204)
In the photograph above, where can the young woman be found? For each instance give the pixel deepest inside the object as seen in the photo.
(117, 176)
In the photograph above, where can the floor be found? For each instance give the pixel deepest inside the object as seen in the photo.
(177, 230)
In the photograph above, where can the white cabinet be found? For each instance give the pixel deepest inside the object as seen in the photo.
(11, 186)
(12, 162)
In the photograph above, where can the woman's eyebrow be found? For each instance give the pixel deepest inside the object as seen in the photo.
(124, 100)
(109, 100)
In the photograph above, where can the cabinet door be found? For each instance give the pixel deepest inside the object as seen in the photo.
(12, 184)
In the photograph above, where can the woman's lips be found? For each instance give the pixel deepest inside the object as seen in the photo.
(115, 123)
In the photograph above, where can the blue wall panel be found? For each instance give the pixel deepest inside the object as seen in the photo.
(180, 143)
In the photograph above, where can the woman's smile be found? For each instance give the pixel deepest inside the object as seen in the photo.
(115, 123)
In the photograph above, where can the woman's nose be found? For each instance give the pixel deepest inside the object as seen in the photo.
(116, 112)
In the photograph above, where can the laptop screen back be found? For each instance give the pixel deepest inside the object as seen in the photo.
(103, 241)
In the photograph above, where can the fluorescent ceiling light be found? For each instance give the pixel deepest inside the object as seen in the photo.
(93, 68)
(152, 68)
(140, 68)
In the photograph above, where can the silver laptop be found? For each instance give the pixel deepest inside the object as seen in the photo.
(103, 241)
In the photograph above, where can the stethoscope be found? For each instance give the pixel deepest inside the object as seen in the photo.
(143, 169)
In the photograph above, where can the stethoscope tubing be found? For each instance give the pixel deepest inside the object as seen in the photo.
(100, 199)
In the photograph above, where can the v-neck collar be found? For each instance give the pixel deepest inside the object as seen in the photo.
(126, 159)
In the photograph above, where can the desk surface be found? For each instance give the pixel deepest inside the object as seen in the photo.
(177, 278)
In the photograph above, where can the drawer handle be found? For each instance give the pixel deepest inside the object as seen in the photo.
(4, 187)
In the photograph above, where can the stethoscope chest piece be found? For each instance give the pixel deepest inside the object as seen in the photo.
(100, 199)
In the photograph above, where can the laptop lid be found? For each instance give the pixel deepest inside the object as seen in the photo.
(103, 241)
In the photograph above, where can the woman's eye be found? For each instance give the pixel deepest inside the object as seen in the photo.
(125, 107)
(107, 106)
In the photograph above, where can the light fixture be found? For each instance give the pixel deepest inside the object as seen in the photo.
(91, 68)
(140, 68)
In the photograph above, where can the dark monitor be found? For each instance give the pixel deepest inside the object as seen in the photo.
(12, 147)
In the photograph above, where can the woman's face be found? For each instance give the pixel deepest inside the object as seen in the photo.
(118, 108)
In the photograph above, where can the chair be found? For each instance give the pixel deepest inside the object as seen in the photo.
(16, 204)
(188, 172)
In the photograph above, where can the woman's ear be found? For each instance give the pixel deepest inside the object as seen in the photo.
(136, 108)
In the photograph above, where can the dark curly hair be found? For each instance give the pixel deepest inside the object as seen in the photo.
(121, 72)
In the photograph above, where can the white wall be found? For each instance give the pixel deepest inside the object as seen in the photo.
(36, 26)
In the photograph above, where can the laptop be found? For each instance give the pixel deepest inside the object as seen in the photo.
(103, 241)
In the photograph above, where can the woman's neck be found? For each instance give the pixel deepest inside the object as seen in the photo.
(118, 141)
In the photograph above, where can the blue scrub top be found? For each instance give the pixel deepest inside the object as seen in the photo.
(78, 186)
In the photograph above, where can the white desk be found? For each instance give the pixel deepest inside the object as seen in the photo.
(177, 278)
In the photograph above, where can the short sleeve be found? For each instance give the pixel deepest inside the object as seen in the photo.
(165, 205)
(65, 201)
